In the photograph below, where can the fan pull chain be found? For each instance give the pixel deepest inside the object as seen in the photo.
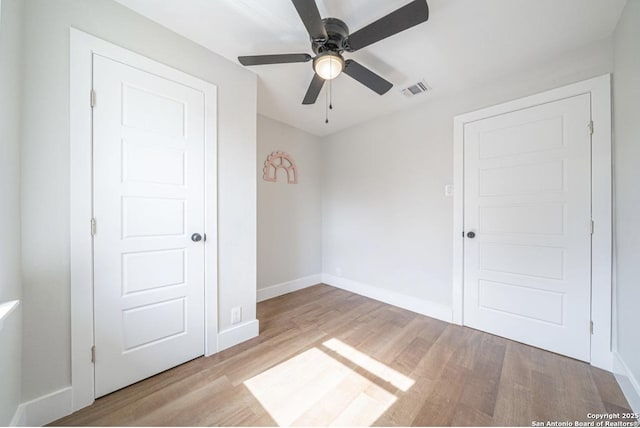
(331, 88)
(331, 94)
(329, 101)
(326, 106)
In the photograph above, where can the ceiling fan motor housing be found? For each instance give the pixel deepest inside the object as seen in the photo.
(337, 32)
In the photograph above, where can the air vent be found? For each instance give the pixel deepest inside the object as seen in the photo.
(416, 89)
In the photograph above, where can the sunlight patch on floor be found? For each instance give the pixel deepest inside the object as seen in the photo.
(314, 389)
(382, 371)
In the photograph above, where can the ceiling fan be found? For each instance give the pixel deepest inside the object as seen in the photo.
(330, 38)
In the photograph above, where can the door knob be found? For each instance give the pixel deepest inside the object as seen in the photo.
(196, 237)
(471, 235)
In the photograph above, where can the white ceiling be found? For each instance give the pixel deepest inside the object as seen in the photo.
(464, 43)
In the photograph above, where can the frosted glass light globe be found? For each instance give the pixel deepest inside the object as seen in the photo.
(328, 66)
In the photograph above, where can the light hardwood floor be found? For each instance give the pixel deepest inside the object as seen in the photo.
(326, 356)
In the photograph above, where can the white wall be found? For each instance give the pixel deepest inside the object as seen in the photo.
(11, 333)
(45, 170)
(626, 95)
(386, 221)
(289, 215)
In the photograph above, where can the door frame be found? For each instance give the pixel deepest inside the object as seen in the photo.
(82, 48)
(599, 88)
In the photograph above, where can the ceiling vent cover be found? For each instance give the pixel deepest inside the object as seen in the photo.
(416, 89)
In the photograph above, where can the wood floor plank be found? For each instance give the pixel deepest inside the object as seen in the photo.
(481, 390)
(334, 403)
(468, 416)
(440, 407)
(515, 392)
(329, 357)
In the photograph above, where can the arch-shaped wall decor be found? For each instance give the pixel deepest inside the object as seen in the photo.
(278, 160)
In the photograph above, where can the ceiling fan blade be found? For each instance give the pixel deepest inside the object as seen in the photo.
(314, 90)
(308, 11)
(402, 19)
(273, 59)
(367, 77)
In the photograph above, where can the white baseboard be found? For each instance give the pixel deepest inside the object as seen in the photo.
(628, 383)
(420, 306)
(6, 308)
(238, 334)
(44, 410)
(18, 418)
(272, 291)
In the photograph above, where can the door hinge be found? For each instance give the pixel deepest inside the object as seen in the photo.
(593, 226)
(591, 326)
(93, 226)
(93, 354)
(590, 127)
(93, 98)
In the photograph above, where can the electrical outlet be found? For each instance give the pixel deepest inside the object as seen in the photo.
(448, 190)
(339, 271)
(236, 315)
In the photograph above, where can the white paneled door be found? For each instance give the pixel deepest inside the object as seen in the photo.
(148, 161)
(527, 222)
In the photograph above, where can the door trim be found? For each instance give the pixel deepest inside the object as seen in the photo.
(599, 88)
(82, 48)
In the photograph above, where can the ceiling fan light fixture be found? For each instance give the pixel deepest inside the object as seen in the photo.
(328, 65)
(330, 37)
